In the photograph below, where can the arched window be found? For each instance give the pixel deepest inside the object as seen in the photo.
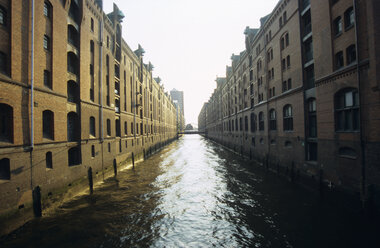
(5, 169)
(49, 160)
(6, 123)
(272, 120)
(72, 63)
(92, 126)
(74, 12)
(72, 35)
(288, 118)
(48, 124)
(347, 110)
(73, 133)
(261, 121)
(72, 92)
(253, 123)
(74, 156)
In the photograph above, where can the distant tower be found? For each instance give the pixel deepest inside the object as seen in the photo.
(178, 96)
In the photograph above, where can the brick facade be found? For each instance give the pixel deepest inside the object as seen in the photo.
(73, 82)
(335, 110)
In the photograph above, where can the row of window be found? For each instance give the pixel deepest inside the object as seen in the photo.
(349, 21)
(347, 117)
(350, 57)
(287, 121)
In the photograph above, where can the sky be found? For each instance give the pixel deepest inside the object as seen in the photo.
(189, 42)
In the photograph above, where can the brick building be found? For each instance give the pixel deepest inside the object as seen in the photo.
(94, 100)
(304, 96)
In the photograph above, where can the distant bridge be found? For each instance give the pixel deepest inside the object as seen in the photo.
(191, 132)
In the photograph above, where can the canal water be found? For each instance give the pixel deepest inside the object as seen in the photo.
(195, 193)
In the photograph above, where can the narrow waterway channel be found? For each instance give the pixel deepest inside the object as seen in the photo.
(195, 193)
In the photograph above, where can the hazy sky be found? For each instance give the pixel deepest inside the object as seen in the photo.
(189, 42)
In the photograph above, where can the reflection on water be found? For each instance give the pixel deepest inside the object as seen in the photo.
(195, 193)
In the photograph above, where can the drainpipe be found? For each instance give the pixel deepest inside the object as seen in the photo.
(362, 141)
(134, 101)
(32, 99)
(101, 91)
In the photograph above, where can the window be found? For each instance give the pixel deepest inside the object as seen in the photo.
(308, 47)
(3, 63)
(288, 61)
(93, 151)
(49, 160)
(132, 128)
(351, 54)
(306, 23)
(47, 79)
(287, 40)
(3, 16)
(338, 26)
(339, 60)
(92, 126)
(125, 128)
(117, 127)
(74, 156)
(282, 43)
(288, 118)
(312, 118)
(251, 75)
(309, 76)
(73, 127)
(261, 121)
(246, 123)
(47, 9)
(284, 86)
(312, 151)
(6, 123)
(109, 147)
(72, 35)
(272, 120)
(72, 63)
(48, 124)
(72, 91)
(108, 127)
(284, 17)
(289, 83)
(283, 64)
(280, 21)
(46, 42)
(92, 24)
(5, 169)
(347, 110)
(253, 123)
(349, 18)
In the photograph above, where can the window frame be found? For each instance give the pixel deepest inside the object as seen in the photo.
(288, 118)
(347, 113)
(272, 120)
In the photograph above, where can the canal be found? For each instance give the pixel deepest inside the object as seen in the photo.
(195, 193)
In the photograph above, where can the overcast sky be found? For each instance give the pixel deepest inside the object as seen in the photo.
(189, 42)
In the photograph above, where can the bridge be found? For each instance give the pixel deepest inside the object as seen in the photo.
(192, 132)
